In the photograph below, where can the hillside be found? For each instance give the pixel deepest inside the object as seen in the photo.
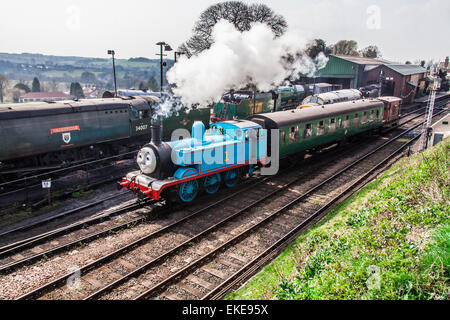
(391, 240)
(25, 66)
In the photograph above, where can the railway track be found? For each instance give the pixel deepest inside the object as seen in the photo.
(77, 241)
(217, 271)
(36, 292)
(25, 255)
(70, 212)
(189, 248)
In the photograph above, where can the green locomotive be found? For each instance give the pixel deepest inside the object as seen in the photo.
(243, 103)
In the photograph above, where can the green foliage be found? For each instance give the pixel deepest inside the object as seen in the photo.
(390, 242)
(153, 84)
(76, 90)
(22, 86)
(35, 85)
(82, 193)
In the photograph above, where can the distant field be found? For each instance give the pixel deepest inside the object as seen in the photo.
(76, 73)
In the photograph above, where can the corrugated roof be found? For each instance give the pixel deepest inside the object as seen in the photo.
(407, 69)
(362, 60)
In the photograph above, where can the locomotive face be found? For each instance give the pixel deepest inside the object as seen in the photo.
(146, 160)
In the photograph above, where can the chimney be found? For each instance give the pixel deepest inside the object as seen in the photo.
(156, 129)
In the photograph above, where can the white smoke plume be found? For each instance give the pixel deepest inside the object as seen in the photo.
(238, 58)
(167, 107)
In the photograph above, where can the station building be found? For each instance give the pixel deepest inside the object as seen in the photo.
(353, 72)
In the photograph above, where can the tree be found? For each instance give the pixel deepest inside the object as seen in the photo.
(23, 87)
(76, 90)
(153, 84)
(346, 47)
(88, 77)
(143, 86)
(371, 52)
(422, 63)
(36, 85)
(16, 94)
(408, 62)
(53, 84)
(3, 84)
(314, 47)
(239, 14)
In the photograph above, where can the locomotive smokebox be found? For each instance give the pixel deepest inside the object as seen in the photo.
(156, 131)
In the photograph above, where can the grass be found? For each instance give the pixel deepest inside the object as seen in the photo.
(388, 241)
(25, 213)
(82, 193)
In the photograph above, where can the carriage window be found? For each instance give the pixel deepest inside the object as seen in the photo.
(347, 122)
(320, 128)
(372, 114)
(146, 114)
(364, 118)
(141, 114)
(292, 134)
(356, 119)
(378, 113)
(340, 123)
(332, 125)
(283, 137)
(308, 131)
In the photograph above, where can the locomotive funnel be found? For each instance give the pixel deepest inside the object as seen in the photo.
(156, 130)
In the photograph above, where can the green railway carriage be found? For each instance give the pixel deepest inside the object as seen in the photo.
(305, 129)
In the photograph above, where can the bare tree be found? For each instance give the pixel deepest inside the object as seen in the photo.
(53, 85)
(316, 46)
(3, 85)
(371, 52)
(239, 14)
(346, 47)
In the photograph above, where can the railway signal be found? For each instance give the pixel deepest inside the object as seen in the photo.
(427, 130)
(167, 47)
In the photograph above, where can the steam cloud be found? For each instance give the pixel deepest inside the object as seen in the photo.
(238, 58)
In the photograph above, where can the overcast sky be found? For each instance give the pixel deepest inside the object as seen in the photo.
(402, 29)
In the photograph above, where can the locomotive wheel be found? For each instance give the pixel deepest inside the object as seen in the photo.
(231, 178)
(188, 190)
(212, 183)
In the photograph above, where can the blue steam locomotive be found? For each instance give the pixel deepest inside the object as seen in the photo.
(232, 149)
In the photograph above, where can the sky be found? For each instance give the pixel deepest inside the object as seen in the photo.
(402, 29)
